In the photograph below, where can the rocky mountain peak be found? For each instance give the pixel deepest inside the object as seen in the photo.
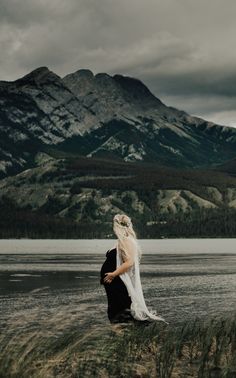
(102, 116)
(136, 89)
(103, 76)
(84, 83)
(39, 72)
(80, 82)
(40, 75)
(107, 89)
(106, 84)
(82, 74)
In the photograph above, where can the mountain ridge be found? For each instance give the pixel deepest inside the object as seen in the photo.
(76, 150)
(102, 116)
(84, 194)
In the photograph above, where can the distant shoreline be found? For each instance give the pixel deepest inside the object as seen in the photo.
(99, 246)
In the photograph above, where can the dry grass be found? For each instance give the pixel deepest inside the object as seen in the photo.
(64, 345)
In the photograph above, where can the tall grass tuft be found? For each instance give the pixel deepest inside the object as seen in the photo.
(63, 346)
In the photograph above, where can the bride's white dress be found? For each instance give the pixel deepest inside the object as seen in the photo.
(132, 281)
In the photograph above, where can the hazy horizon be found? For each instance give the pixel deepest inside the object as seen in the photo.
(100, 246)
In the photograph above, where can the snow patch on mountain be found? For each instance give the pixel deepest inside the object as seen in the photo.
(135, 153)
(111, 144)
(4, 165)
(171, 149)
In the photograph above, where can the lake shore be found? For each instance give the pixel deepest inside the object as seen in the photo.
(153, 246)
(53, 319)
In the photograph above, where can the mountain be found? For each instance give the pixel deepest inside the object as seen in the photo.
(76, 150)
(78, 197)
(114, 117)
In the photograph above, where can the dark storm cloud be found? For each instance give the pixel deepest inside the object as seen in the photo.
(200, 82)
(183, 49)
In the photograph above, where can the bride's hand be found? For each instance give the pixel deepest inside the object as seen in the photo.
(109, 277)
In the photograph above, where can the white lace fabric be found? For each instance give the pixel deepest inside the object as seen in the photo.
(132, 281)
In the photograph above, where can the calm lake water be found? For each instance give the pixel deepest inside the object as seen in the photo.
(182, 278)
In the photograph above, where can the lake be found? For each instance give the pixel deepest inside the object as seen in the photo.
(182, 278)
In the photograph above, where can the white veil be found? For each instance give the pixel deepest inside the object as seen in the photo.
(132, 281)
(131, 277)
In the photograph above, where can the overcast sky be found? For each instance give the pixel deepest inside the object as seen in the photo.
(184, 50)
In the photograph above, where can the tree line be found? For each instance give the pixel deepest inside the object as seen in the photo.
(27, 223)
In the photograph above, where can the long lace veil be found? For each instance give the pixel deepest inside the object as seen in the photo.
(132, 281)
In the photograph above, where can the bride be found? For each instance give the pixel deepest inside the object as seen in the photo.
(120, 276)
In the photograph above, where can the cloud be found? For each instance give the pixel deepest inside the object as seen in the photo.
(218, 109)
(183, 49)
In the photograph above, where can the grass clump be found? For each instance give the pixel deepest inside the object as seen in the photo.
(68, 348)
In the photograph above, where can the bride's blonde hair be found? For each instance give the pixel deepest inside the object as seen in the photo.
(123, 228)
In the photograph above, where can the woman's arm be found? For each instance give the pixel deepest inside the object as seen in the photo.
(129, 252)
(122, 269)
